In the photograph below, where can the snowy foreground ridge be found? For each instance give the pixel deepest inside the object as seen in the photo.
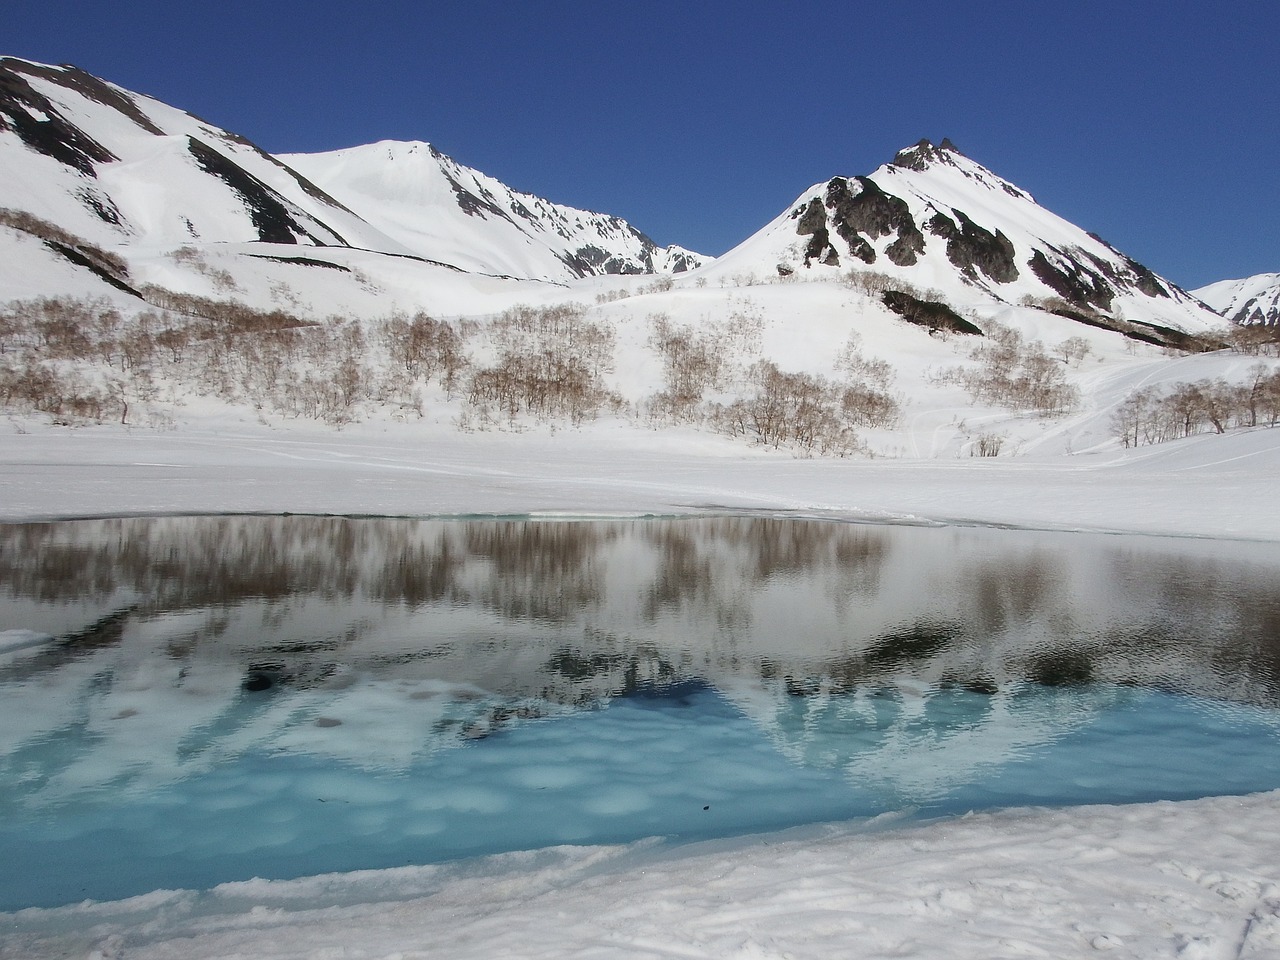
(1188, 879)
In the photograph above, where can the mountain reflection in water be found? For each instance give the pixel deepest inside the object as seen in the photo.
(153, 649)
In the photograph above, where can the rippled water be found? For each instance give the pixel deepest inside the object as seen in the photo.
(187, 701)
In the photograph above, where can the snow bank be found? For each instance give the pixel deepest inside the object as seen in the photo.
(1189, 879)
(1205, 486)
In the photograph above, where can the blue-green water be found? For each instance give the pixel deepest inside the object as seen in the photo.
(186, 702)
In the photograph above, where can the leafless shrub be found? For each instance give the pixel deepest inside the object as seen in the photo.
(612, 296)
(988, 445)
(659, 284)
(425, 348)
(222, 280)
(693, 362)
(1016, 374)
(1255, 339)
(551, 363)
(866, 400)
(1072, 350)
(871, 283)
(798, 411)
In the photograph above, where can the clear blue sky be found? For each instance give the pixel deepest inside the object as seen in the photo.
(1151, 124)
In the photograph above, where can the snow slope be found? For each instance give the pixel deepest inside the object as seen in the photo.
(938, 222)
(117, 168)
(1189, 880)
(1251, 300)
(445, 211)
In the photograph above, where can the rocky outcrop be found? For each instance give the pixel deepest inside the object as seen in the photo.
(972, 248)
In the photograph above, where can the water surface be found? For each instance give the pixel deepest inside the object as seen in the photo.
(191, 700)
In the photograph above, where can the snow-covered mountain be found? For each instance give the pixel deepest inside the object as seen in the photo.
(445, 211)
(115, 168)
(1252, 300)
(934, 220)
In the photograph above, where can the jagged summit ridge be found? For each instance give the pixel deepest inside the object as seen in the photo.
(938, 220)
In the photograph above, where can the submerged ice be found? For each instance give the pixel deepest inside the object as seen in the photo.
(217, 699)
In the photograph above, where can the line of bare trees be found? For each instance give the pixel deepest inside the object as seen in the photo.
(87, 360)
(1158, 414)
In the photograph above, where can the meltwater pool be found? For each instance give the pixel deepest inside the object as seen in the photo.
(187, 701)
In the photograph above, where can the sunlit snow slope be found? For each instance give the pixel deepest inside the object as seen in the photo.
(118, 168)
(442, 210)
(949, 228)
(1251, 300)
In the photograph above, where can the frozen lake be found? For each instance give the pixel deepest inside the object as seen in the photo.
(185, 701)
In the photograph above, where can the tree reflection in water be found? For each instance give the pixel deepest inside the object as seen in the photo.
(473, 625)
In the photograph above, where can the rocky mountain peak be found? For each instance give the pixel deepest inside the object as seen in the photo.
(921, 155)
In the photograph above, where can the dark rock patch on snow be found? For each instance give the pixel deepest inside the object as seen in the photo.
(971, 247)
(1072, 281)
(271, 218)
(869, 214)
(87, 85)
(39, 125)
(931, 314)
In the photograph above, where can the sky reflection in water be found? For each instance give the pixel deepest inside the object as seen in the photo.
(185, 701)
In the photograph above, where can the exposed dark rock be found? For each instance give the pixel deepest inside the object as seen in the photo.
(1138, 275)
(39, 125)
(302, 261)
(812, 218)
(1073, 282)
(1145, 279)
(470, 204)
(103, 206)
(870, 213)
(971, 247)
(1257, 311)
(79, 258)
(817, 243)
(1152, 333)
(813, 224)
(928, 313)
(86, 84)
(271, 218)
(590, 260)
(919, 157)
(682, 263)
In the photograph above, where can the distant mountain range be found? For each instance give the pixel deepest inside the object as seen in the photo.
(1251, 300)
(87, 165)
(117, 168)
